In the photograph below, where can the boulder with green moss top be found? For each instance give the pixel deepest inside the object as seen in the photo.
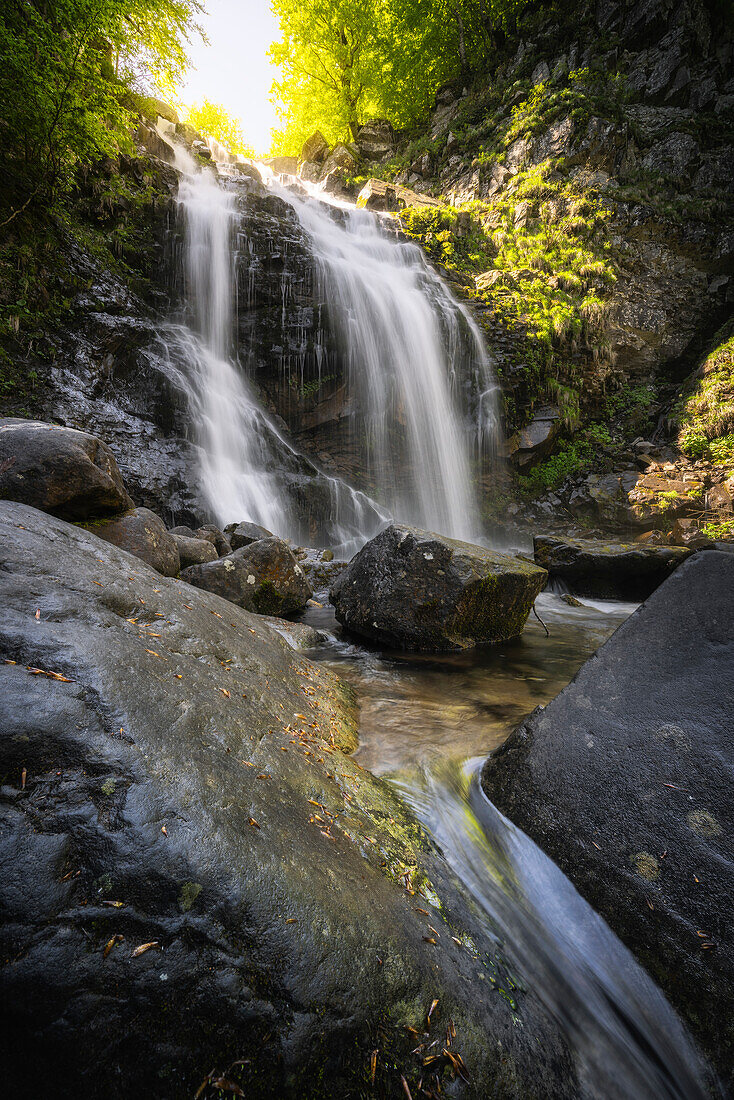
(183, 901)
(607, 570)
(625, 780)
(413, 589)
(263, 577)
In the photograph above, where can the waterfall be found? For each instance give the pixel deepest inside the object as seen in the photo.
(421, 389)
(424, 397)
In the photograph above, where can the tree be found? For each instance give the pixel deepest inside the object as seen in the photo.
(214, 121)
(66, 78)
(343, 61)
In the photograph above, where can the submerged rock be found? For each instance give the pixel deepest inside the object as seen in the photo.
(60, 470)
(263, 577)
(625, 780)
(178, 894)
(414, 589)
(608, 570)
(193, 551)
(142, 533)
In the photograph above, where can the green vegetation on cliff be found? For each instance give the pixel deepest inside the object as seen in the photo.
(706, 412)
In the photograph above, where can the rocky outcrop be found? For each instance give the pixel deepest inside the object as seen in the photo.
(413, 589)
(142, 533)
(185, 902)
(625, 781)
(609, 570)
(262, 576)
(68, 473)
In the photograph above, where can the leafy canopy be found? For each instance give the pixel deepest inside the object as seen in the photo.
(343, 61)
(68, 70)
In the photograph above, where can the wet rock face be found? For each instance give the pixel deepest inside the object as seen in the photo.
(263, 577)
(142, 533)
(242, 534)
(158, 808)
(413, 589)
(608, 570)
(625, 781)
(65, 472)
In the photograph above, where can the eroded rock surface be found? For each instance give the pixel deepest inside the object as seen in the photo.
(625, 780)
(142, 533)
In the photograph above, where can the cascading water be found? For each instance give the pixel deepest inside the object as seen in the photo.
(423, 393)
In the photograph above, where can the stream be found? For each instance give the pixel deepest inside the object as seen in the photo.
(427, 722)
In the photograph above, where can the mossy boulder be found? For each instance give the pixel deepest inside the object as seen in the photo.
(605, 569)
(263, 577)
(413, 589)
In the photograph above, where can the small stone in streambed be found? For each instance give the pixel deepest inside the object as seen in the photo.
(570, 600)
(413, 589)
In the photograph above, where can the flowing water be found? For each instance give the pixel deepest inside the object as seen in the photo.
(426, 725)
(414, 357)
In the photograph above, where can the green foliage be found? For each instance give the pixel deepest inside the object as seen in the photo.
(347, 60)
(571, 458)
(719, 531)
(214, 121)
(65, 78)
(706, 412)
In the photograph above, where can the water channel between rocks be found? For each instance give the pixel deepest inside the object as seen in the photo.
(427, 722)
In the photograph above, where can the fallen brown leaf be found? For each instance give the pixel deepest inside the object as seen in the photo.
(143, 947)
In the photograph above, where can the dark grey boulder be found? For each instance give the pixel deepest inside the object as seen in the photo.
(242, 534)
(147, 800)
(626, 781)
(612, 570)
(413, 589)
(263, 577)
(216, 537)
(187, 532)
(59, 470)
(142, 533)
(192, 551)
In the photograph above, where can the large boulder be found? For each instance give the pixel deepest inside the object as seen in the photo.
(263, 577)
(413, 589)
(536, 440)
(607, 570)
(59, 470)
(182, 900)
(142, 533)
(375, 139)
(625, 780)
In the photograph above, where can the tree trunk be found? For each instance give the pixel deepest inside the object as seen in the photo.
(462, 38)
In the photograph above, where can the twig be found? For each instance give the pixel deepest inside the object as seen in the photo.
(545, 628)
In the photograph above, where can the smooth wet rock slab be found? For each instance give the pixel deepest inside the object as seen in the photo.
(626, 781)
(607, 570)
(142, 533)
(194, 874)
(60, 470)
(413, 589)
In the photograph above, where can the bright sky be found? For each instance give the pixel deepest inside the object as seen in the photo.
(233, 69)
